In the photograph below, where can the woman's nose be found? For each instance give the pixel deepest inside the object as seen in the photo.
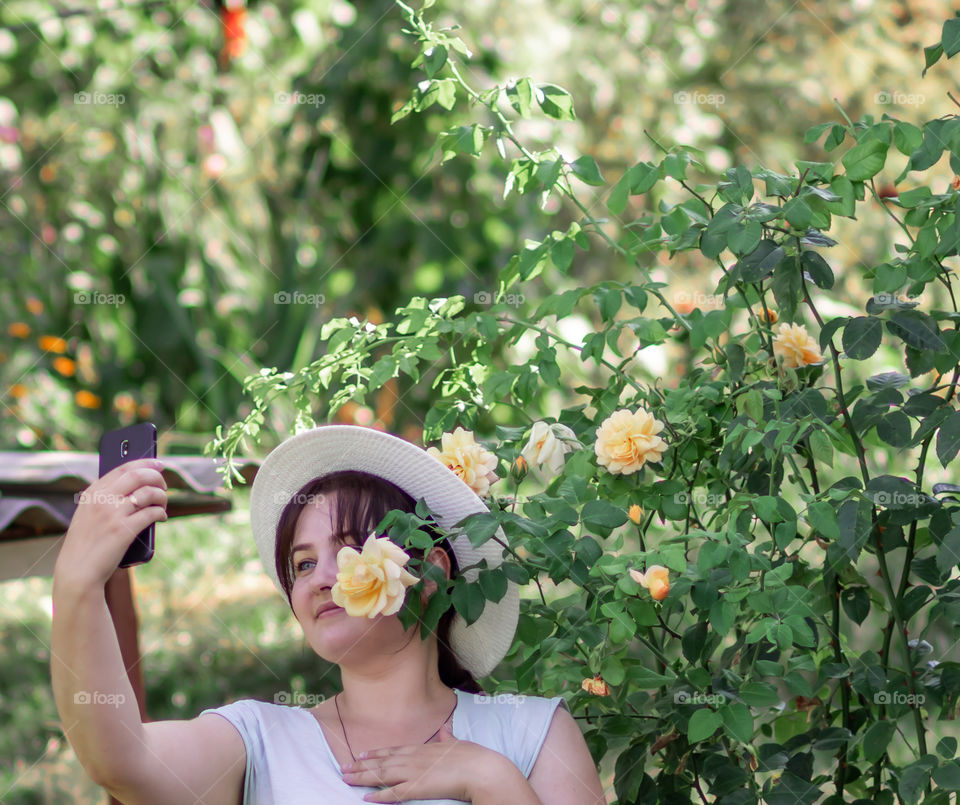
(324, 573)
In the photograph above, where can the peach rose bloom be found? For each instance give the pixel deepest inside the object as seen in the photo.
(625, 440)
(373, 581)
(473, 463)
(635, 513)
(656, 580)
(596, 686)
(548, 445)
(796, 346)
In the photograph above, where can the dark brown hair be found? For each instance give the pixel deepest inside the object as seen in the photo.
(362, 500)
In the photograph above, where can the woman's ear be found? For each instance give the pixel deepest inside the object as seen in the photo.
(437, 556)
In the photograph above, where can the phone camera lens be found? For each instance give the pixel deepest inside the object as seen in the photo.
(124, 447)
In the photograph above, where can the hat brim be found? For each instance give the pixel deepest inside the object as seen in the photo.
(332, 448)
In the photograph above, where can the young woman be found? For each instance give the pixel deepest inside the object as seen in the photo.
(412, 705)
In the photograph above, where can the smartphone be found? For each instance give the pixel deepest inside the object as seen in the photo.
(118, 447)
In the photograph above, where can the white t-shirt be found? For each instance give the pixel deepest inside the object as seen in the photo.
(290, 763)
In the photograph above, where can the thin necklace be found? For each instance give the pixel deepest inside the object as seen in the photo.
(345, 729)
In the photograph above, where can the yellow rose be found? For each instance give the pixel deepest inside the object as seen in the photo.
(548, 444)
(626, 440)
(635, 513)
(796, 346)
(472, 462)
(656, 580)
(373, 581)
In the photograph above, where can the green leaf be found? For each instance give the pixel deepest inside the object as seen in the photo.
(947, 776)
(819, 269)
(759, 694)
(760, 262)
(703, 723)
(856, 603)
(917, 329)
(798, 213)
(520, 96)
(907, 138)
(813, 133)
(931, 55)
(743, 240)
(822, 448)
(586, 169)
(555, 101)
(433, 60)
(948, 439)
(787, 286)
(636, 180)
(894, 428)
(862, 336)
(738, 722)
(950, 38)
(493, 583)
(469, 601)
(599, 514)
(865, 160)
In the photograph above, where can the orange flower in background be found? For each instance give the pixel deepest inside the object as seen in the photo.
(17, 390)
(656, 579)
(18, 329)
(796, 347)
(65, 366)
(769, 316)
(595, 685)
(472, 462)
(34, 305)
(635, 513)
(125, 403)
(51, 343)
(86, 399)
(232, 21)
(626, 440)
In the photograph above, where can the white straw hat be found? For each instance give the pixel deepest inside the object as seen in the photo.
(320, 451)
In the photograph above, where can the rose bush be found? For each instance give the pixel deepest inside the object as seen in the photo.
(754, 568)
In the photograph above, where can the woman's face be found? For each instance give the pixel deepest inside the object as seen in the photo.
(335, 636)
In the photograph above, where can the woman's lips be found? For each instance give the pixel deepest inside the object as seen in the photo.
(331, 611)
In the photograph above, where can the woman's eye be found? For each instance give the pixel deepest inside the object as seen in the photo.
(300, 564)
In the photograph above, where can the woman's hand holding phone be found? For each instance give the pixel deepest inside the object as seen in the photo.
(110, 514)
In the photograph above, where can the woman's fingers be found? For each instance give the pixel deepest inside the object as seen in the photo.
(127, 482)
